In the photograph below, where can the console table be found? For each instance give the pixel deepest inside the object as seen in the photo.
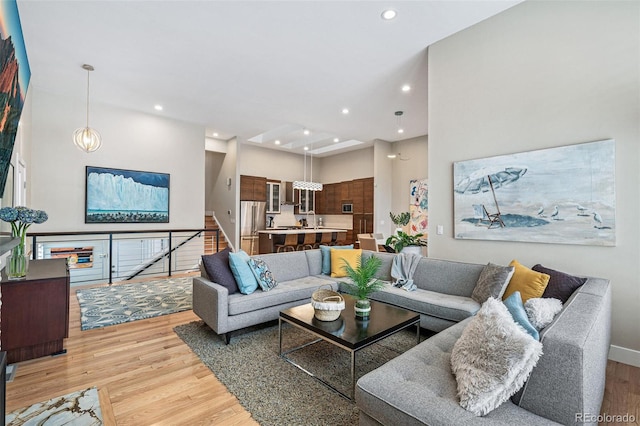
(35, 311)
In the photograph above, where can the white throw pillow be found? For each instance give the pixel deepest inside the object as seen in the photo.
(541, 311)
(492, 359)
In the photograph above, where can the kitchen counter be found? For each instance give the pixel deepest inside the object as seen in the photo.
(280, 231)
(268, 238)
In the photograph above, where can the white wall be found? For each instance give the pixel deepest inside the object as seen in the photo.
(348, 166)
(540, 75)
(223, 199)
(412, 164)
(131, 140)
(273, 164)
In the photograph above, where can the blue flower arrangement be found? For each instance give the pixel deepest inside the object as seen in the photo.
(21, 218)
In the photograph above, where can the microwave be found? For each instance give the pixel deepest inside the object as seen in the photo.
(347, 208)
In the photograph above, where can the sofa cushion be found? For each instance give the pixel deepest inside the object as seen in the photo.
(492, 282)
(287, 266)
(218, 270)
(440, 305)
(286, 292)
(262, 273)
(326, 256)
(492, 359)
(519, 314)
(444, 276)
(528, 282)
(314, 260)
(561, 286)
(239, 263)
(340, 257)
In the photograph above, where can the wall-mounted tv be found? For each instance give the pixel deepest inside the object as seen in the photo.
(126, 196)
(14, 80)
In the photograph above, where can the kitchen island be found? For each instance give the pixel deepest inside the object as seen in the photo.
(268, 238)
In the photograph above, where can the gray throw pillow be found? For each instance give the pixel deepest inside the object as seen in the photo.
(217, 267)
(492, 359)
(492, 282)
(541, 311)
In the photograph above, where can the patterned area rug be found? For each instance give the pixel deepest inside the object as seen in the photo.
(80, 408)
(276, 392)
(120, 303)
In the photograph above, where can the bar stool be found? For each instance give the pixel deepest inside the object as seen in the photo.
(325, 239)
(290, 243)
(309, 241)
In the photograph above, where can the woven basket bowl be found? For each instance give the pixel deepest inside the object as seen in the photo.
(327, 304)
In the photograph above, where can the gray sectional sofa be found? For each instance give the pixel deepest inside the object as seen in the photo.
(418, 387)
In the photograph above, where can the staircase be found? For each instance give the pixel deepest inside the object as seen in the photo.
(210, 237)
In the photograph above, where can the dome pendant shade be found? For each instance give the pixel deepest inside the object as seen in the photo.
(87, 139)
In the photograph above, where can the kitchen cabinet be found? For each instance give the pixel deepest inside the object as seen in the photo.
(362, 194)
(253, 188)
(306, 199)
(320, 200)
(362, 223)
(274, 196)
(345, 191)
(35, 311)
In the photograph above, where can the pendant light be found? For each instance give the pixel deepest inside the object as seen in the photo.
(398, 115)
(86, 138)
(304, 184)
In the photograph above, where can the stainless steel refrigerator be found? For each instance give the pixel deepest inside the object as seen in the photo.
(252, 220)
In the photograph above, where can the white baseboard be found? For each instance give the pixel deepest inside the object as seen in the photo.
(624, 355)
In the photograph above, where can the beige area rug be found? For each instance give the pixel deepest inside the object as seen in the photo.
(80, 408)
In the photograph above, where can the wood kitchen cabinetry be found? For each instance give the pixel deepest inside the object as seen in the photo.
(253, 188)
(274, 196)
(35, 311)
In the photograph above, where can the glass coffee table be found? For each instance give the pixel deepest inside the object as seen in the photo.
(352, 334)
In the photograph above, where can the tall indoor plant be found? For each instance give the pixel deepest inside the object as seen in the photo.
(363, 284)
(20, 218)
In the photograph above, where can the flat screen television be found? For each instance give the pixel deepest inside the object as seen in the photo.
(126, 196)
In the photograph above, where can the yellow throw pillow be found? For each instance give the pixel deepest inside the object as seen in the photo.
(339, 256)
(529, 283)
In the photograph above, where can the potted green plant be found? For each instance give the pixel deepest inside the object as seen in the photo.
(400, 220)
(363, 284)
(401, 240)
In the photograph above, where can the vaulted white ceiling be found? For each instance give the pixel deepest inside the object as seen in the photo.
(258, 70)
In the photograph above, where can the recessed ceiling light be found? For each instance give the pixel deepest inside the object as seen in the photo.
(400, 130)
(388, 14)
(215, 134)
(306, 131)
(406, 88)
(306, 148)
(336, 140)
(277, 142)
(158, 107)
(345, 111)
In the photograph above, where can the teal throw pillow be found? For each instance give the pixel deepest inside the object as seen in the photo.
(326, 257)
(519, 314)
(262, 273)
(239, 263)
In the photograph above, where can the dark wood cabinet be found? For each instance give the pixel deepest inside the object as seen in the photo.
(35, 311)
(362, 223)
(253, 188)
(362, 194)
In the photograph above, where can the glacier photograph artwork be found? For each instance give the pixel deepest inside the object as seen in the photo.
(126, 196)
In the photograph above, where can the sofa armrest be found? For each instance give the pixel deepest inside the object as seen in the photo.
(211, 303)
(569, 379)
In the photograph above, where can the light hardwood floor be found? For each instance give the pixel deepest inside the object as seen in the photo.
(146, 375)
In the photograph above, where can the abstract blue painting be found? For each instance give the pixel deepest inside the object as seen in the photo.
(126, 196)
(562, 195)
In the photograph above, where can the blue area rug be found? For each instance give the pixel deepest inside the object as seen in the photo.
(80, 408)
(117, 304)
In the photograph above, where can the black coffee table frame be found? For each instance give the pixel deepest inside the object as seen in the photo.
(384, 321)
